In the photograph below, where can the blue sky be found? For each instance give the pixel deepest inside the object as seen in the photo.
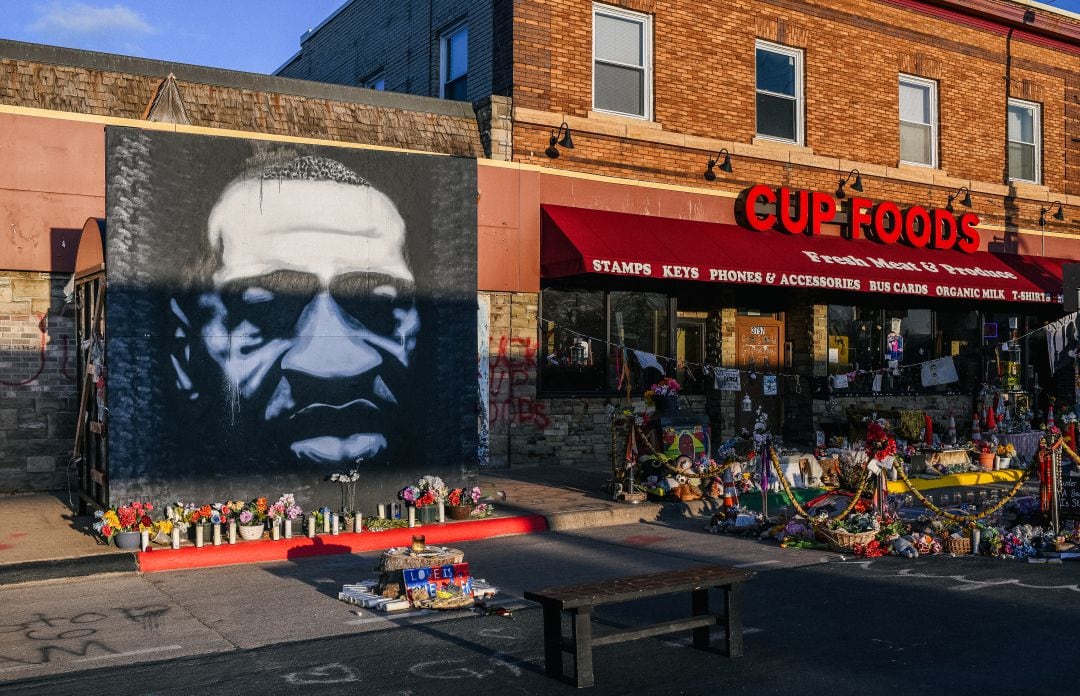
(252, 35)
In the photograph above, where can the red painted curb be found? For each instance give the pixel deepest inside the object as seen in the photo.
(158, 559)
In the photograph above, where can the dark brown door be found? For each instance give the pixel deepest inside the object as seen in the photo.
(759, 350)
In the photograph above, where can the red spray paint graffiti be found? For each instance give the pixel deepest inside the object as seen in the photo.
(43, 330)
(508, 373)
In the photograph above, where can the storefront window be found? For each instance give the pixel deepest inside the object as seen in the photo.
(883, 349)
(640, 321)
(572, 357)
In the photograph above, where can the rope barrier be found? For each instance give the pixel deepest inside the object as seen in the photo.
(962, 519)
(798, 506)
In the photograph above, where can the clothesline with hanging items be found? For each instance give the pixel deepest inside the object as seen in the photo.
(938, 370)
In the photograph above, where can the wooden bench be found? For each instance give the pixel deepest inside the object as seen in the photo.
(579, 600)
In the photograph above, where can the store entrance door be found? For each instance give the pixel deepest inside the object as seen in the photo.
(759, 345)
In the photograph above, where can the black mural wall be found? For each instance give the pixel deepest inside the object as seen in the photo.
(281, 312)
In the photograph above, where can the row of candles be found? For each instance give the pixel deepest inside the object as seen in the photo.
(331, 524)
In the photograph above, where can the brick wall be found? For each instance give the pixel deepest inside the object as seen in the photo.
(704, 99)
(37, 382)
(401, 41)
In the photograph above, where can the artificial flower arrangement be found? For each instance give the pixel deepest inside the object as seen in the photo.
(347, 483)
(665, 387)
(879, 444)
(428, 490)
(1006, 450)
(284, 509)
(133, 517)
(253, 512)
(984, 447)
(463, 497)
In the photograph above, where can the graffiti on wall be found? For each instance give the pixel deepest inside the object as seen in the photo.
(278, 313)
(510, 375)
(44, 339)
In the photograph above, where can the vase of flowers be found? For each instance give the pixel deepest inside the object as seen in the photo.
(1005, 454)
(286, 512)
(122, 525)
(664, 396)
(461, 501)
(425, 496)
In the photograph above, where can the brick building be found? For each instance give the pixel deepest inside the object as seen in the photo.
(924, 104)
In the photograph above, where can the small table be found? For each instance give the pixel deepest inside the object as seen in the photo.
(1026, 444)
(579, 600)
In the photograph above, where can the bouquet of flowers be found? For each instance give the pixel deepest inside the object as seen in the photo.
(984, 447)
(464, 497)
(1006, 450)
(427, 491)
(666, 387)
(879, 444)
(347, 482)
(133, 517)
(285, 508)
(253, 512)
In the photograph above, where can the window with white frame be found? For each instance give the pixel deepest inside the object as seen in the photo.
(918, 121)
(1025, 136)
(454, 64)
(622, 61)
(779, 92)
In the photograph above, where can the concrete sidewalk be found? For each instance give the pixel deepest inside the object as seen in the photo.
(41, 539)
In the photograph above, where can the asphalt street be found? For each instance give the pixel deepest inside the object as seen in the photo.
(815, 623)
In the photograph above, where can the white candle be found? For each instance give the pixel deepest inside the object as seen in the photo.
(144, 539)
(275, 530)
(217, 534)
(288, 528)
(442, 512)
(412, 516)
(358, 523)
(175, 537)
(382, 511)
(326, 523)
(311, 526)
(198, 536)
(232, 531)
(335, 524)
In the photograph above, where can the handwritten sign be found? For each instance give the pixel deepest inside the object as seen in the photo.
(1069, 494)
(423, 584)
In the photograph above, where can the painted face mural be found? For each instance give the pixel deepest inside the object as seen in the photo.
(281, 312)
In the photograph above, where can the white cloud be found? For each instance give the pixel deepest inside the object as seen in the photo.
(79, 18)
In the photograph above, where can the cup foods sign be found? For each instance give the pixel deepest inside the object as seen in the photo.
(804, 212)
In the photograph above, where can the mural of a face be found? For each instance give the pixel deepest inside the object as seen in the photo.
(311, 319)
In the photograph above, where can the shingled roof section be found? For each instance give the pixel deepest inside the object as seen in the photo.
(60, 79)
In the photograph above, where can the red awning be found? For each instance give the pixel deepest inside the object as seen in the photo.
(577, 240)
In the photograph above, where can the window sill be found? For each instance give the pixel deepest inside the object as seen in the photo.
(1028, 189)
(760, 141)
(624, 120)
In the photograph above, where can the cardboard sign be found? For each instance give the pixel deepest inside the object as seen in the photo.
(1069, 493)
(422, 584)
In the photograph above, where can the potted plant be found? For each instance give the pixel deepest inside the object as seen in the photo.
(347, 483)
(460, 502)
(986, 452)
(286, 511)
(664, 395)
(122, 525)
(425, 496)
(251, 519)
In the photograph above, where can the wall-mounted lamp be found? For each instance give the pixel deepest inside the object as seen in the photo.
(856, 186)
(747, 404)
(559, 137)
(725, 165)
(965, 201)
(1059, 215)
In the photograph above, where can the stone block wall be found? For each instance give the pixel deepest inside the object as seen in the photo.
(937, 406)
(38, 394)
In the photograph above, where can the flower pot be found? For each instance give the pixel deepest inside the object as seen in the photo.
(986, 460)
(1003, 462)
(251, 532)
(458, 512)
(665, 405)
(428, 514)
(127, 540)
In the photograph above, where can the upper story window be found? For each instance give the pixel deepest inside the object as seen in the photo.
(375, 81)
(622, 62)
(779, 92)
(454, 64)
(918, 121)
(1025, 146)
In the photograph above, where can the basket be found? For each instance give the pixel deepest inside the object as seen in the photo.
(841, 540)
(957, 547)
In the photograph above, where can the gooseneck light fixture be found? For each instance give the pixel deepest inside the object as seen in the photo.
(725, 164)
(855, 186)
(965, 201)
(560, 137)
(1059, 215)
